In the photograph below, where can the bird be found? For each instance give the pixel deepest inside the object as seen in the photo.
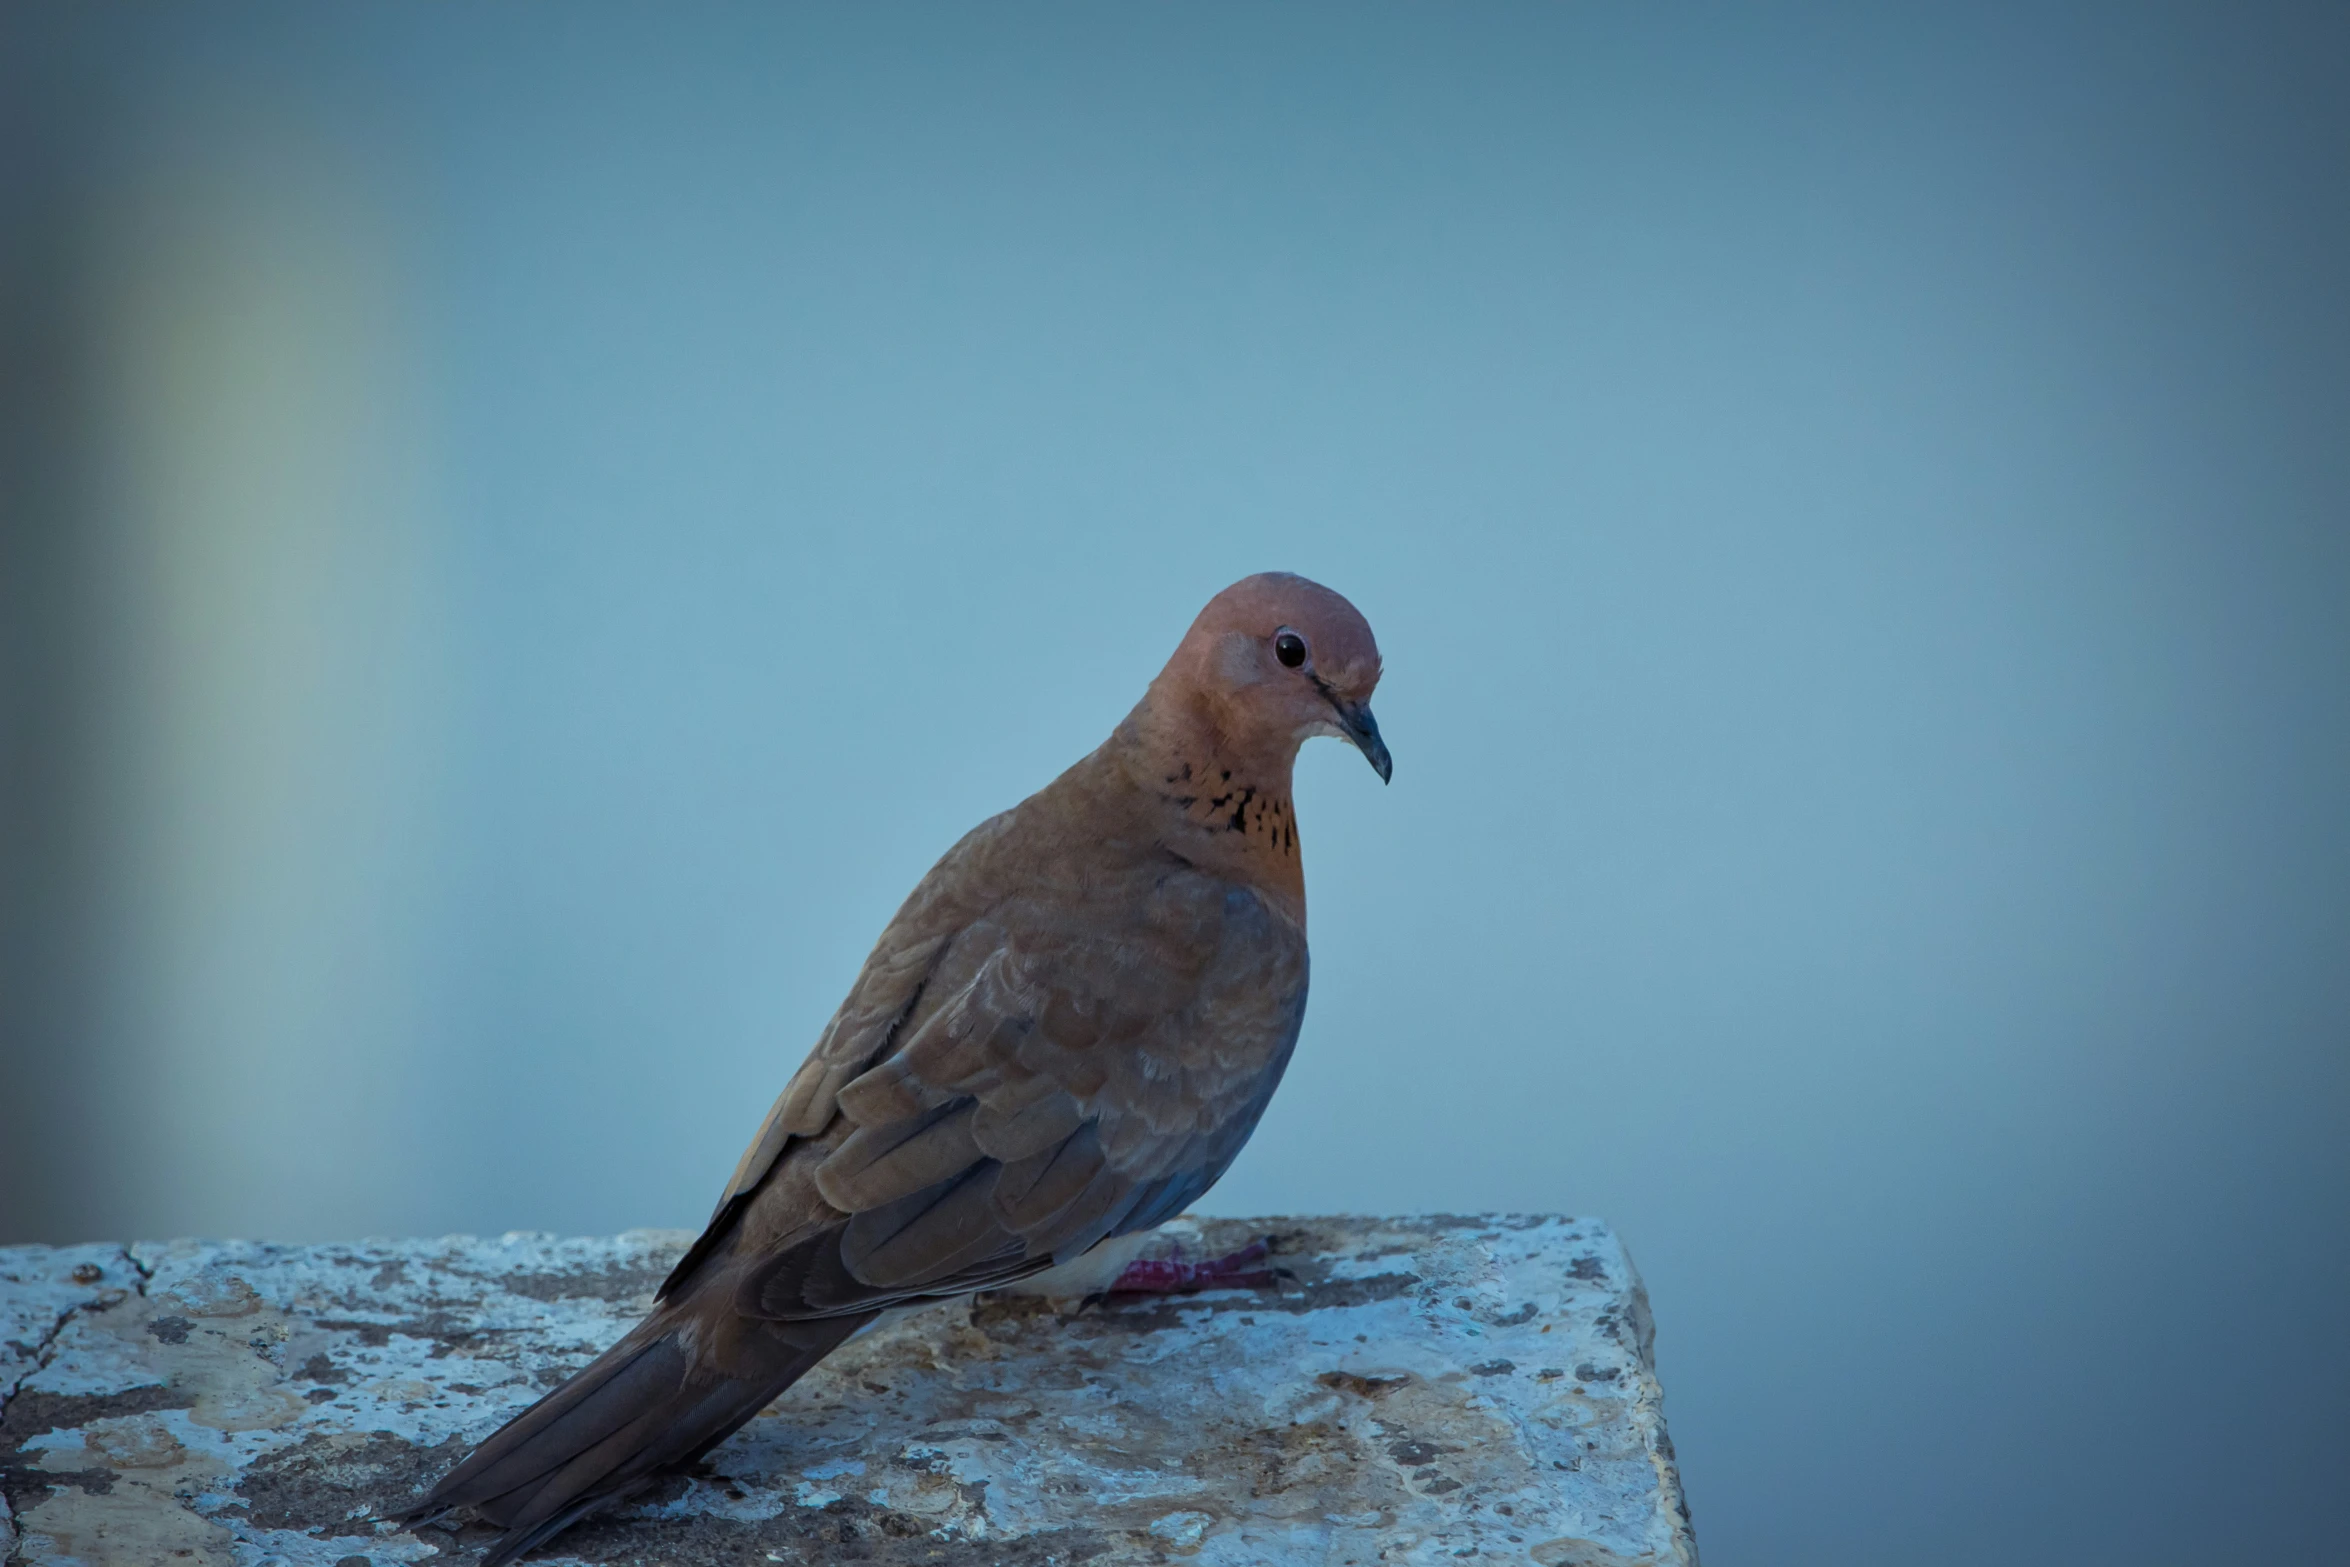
(1061, 1039)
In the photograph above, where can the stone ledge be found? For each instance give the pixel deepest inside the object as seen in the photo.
(1415, 1390)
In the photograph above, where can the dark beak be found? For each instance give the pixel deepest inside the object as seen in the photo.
(1355, 718)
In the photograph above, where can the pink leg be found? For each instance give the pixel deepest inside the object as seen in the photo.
(1174, 1276)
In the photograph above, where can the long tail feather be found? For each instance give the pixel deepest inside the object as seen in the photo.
(646, 1405)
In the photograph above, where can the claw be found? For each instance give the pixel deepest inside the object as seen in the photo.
(1174, 1276)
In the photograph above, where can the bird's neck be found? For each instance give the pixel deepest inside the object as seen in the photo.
(1219, 803)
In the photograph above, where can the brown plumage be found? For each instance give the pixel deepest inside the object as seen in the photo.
(1065, 1035)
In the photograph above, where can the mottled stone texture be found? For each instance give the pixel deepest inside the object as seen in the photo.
(1413, 1390)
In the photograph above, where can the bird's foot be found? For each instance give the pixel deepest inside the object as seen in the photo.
(1241, 1270)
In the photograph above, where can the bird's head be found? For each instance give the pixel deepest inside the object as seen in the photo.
(1276, 659)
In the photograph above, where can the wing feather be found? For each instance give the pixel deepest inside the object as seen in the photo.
(927, 1237)
(1011, 1132)
(1031, 1191)
(878, 1165)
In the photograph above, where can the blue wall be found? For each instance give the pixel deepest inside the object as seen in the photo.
(532, 528)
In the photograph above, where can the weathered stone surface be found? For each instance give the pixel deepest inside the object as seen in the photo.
(1416, 1390)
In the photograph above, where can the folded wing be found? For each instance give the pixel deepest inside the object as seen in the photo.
(1002, 1095)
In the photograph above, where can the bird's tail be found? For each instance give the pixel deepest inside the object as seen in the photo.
(646, 1405)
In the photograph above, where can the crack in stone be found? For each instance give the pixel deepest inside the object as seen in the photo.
(43, 1353)
(11, 1542)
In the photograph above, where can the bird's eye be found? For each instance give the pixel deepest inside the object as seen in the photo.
(1290, 648)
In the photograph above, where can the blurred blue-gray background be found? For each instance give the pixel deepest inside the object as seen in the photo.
(524, 530)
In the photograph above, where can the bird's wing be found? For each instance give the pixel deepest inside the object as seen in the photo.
(1075, 1063)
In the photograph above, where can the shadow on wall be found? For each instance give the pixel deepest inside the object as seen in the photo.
(224, 716)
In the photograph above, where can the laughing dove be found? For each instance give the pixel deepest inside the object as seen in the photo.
(1064, 1036)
